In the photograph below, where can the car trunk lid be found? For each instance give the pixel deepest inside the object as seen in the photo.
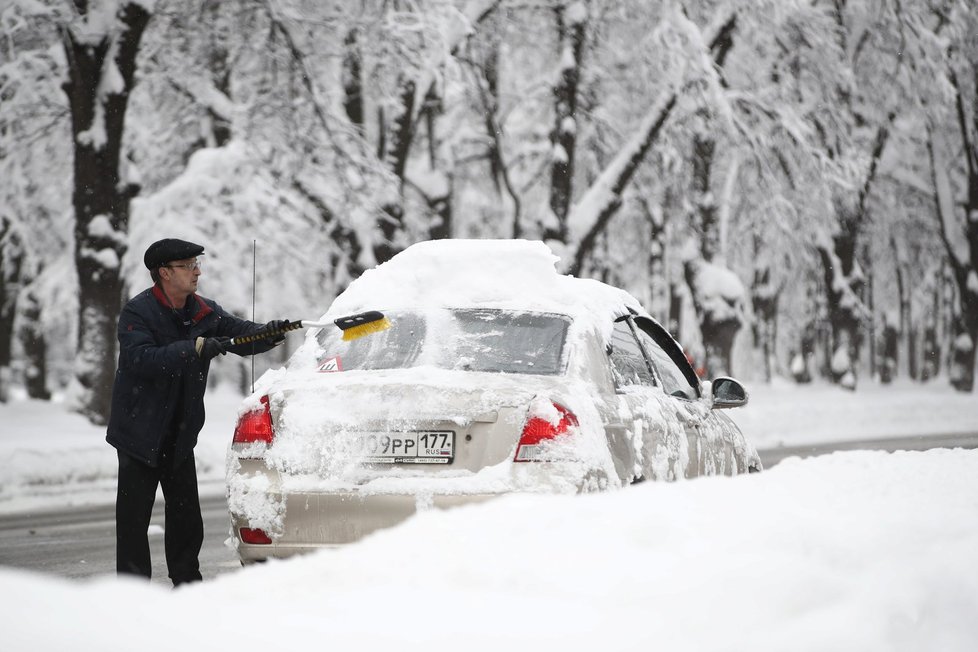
(398, 426)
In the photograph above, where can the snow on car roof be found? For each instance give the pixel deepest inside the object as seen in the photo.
(506, 274)
(517, 275)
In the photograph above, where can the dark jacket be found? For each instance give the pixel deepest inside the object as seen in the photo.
(158, 396)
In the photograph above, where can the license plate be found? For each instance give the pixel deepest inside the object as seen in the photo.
(420, 447)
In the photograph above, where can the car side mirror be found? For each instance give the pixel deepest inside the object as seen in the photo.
(728, 393)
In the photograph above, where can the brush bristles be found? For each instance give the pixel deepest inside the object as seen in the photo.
(367, 328)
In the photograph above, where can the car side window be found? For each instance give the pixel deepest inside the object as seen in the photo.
(628, 364)
(674, 381)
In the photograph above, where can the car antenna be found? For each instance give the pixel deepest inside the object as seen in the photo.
(254, 293)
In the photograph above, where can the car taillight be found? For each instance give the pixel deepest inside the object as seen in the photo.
(255, 426)
(539, 430)
(254, 536)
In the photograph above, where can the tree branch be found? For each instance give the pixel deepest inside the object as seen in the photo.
(879, 143)
(970, 152)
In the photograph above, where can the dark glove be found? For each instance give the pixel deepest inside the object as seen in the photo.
(276, 324)
(208, 347)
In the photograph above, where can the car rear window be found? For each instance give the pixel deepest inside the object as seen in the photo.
(468, 340)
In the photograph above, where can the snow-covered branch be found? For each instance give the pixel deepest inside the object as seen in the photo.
(206, 94)
(840, 286)
(454, 34)
(590, 215)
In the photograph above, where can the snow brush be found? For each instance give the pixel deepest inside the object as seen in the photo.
(353, 327)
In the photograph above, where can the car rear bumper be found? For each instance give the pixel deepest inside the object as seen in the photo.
(312, 521)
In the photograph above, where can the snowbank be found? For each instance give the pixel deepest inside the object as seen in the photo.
(859, 551)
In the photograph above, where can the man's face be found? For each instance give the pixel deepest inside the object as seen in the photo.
(181, 275)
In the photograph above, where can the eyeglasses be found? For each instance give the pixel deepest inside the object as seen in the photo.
(187, 266)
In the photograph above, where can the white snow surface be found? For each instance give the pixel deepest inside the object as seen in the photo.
(719, 291)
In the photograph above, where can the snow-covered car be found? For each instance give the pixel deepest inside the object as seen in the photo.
(497, 374)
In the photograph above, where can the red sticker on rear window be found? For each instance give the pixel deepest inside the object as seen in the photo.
(328, 365)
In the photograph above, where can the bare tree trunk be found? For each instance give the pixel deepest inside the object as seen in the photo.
(844, 281)
(100, 198)
(11, 277)
(718, 325)
(32, 339)
(489, 94)
(398, 145)
(913, 356)
(658, 297)
(220, 71)
(966, 274)
(764, 299)
(704, 150)
(962, 252)
(352, 79)
(930, 354)
(889, 352)
(962, 368)
(869, 325)
(439, 204)
(949, 302)
(675, 311)
(906, 325)
(401, 133)
(488, 85)
(571, 31)
(843, 287)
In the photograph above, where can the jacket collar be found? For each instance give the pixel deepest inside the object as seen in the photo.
(202, 308)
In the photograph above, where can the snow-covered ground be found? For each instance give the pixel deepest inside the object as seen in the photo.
(853, 551)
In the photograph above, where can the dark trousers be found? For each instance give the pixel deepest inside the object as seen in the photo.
(183, 528)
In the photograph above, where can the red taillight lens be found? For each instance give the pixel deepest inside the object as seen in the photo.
(254, 536)
(255, 426)
(538, 429)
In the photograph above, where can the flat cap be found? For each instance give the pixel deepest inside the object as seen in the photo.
(163, 251)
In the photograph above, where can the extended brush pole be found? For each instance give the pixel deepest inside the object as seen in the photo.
(254, 300)
(353, 327)
(265, 334)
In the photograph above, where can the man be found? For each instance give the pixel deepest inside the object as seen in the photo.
(167, 338)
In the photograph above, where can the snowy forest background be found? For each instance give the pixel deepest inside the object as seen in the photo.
(790, 185)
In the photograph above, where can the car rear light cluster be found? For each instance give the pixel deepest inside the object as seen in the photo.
(254, 536)
(538, 431)
(255, 426)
